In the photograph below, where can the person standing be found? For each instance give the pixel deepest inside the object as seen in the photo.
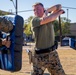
(5, 26)
(45, 55)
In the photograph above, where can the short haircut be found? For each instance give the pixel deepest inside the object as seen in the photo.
(38, 3)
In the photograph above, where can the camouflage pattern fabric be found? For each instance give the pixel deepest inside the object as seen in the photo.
(5, 25)
(48, 60)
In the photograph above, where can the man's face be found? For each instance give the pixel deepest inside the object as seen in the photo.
(38, 10)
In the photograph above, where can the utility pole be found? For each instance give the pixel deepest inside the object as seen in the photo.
(67, 15)
(60, 31)
(15, 6)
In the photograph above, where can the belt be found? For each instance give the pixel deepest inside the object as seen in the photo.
(47, 50)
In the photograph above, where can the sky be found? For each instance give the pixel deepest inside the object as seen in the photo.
(24, 5)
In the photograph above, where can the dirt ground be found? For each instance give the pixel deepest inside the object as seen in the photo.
(67, 57)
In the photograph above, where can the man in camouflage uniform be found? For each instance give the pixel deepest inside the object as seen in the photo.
(5, 26)
(45, 55)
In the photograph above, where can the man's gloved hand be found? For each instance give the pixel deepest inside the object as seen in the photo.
(6, 43)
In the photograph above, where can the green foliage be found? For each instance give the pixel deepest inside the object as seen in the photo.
(64, 26)
(64, 19)
(56, 27)
(3, 13)
(27, 26)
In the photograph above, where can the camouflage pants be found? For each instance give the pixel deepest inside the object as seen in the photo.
(47, 60)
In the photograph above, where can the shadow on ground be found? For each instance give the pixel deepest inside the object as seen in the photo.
(46, 74)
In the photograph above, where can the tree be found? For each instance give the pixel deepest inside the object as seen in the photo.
(4, 13)
(65, 28)
(64, 25)
(56, 27)
(27, 26)
(64, 19)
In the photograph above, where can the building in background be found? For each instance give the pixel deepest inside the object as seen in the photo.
(73, 29)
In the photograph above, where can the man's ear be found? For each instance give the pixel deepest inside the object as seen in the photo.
(44, 9)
